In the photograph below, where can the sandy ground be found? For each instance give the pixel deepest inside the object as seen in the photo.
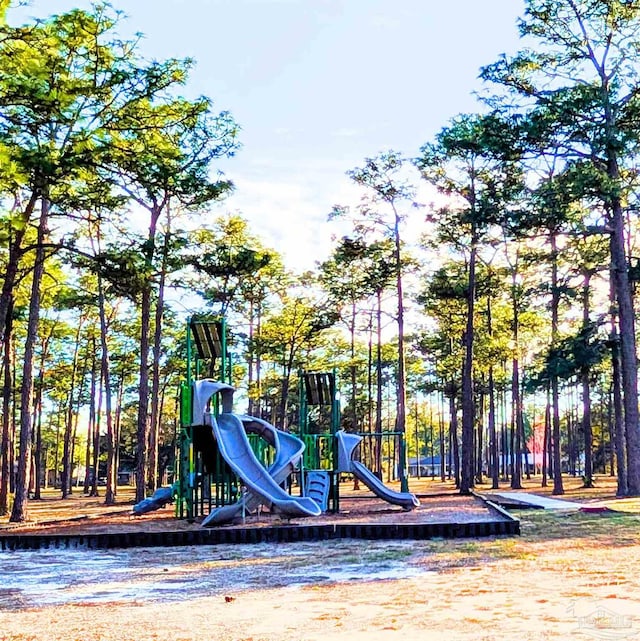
(570, 575)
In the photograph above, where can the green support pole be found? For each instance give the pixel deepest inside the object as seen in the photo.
(189, 352)
(402, 462)
(335, 425)
(302, 413)
(187, 455)
(182, 463)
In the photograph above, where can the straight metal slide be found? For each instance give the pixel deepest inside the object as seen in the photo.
(406, 500)
(347, 444)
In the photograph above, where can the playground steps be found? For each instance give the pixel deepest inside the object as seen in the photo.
(317, 487)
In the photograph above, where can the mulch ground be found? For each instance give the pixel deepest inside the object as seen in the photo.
(88, 515)
(440, 503)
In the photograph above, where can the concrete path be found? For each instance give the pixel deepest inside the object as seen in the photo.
(539, 501)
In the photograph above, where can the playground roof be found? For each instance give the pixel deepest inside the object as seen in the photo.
(319, 388)
(207, 336)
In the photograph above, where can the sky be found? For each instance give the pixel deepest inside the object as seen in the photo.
(317, 86)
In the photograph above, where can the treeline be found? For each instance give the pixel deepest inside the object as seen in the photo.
(527, 270)
(469, 338)
(99, 157)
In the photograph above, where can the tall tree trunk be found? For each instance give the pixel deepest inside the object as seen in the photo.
(154, 427)
(585, 375)
(353, 370)
(74, 435)
(19, 511)
(258, 407)
(37, 417)
(6, 444)
(518, 425)
(493, 440)
(251, 361)
(87, 459)
(443, 467)
(142, 423)
(516, 398)
(161, 405)
(80, 403)
(468, 406)
(370, 444)
(628, 358)
(379, 383)
(618, 409)
(37, 454)
(453, 435)
(105, 375)
(401, 400)
(624, 296)
(118, 420)
(555, 396)
(480, 440)
(95, 463)
(91, 473)
(14, 417)
(494, 472)
(67, 462)
(105, 366)
(546, 439)
(16, 236)
(143, 406)
(354, 383)
(156, 414)
(56, 454)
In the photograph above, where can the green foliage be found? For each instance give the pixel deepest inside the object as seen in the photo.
(570, 356)
(291, 333)
(357, 270)
(474, 161)
(232, 266)
(577, 87)
(56, 77)
(386, 186)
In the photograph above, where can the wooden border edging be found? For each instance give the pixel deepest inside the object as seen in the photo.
(498, 508)
(275, 534)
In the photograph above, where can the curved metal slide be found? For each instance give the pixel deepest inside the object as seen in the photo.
(346, 445)
(288, 452)
(235, 448)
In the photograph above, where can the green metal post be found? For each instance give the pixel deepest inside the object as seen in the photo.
(302, 416)
(188, 455)
(189, 351)
(335, 425)
(402, 463)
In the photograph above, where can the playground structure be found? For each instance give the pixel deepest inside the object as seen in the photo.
(231, 464)
(333, 451)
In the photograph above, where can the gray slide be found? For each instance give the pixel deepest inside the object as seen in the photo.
(235, 448)
(288, 452)
(346, 445)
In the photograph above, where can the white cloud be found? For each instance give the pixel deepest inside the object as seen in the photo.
(288, 207)
(288, 216)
